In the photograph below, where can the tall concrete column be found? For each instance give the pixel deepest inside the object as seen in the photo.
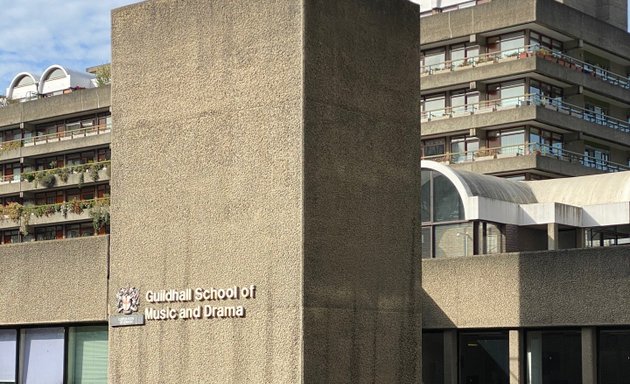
(516, 360)
(552, 236)
(589, 355)
(275, 144)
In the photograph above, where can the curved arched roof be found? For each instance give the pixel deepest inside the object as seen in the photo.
(471, 184)
(584, 190)
(51, 69)
(16, 81)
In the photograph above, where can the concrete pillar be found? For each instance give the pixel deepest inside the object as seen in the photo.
(552, 236)
(516, 360)
(450, 356)
(293, 127)
(580, 237)
(589, 355)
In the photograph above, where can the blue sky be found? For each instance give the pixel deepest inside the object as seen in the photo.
(39, 33)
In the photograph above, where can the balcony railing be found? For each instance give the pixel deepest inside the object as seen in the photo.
(54, 137)
(15, 214)
(555, 104)
(522, 53)
(67, 135)
(528, 149)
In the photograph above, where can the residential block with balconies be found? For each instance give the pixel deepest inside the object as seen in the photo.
(526, 90)
(55, 156)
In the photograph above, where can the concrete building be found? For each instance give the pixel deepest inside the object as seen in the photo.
(525, 281)
(259, 149)
(55, 134)
(526, 89)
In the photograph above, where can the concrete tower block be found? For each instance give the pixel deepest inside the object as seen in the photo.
(275, 144)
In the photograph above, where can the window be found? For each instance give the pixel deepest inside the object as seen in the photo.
(54, 355)
(537, 41)
(614, 356)
(464, 54)
(49, 233)
(546, 142)
(464, 101)
(42, 352)
(433, 147)
(10, 237)
(433, 60)
(463, 148)
(508, 141)
(87, 355)
(596, 157)
(543, 93)
(484, 357)
(506, 94)
(432, 357)
(509, 44)
(432, 106)
(8, 350)
(441, 204)
(554, 356)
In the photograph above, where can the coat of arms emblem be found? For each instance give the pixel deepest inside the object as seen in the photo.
(128, 300)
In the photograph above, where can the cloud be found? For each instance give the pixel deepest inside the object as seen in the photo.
(39, 33)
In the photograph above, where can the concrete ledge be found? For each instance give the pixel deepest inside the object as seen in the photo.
(57, 281)
(77, 102)
(525, 164)
(530, 289)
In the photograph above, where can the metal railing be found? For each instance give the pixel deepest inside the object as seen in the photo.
(55, 137)
(524, 52)
(67, 135)
(555, 104)
(526, 149)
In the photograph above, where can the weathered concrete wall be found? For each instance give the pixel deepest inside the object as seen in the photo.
(274, 144)
(207, 170)
(530, 289)
(361, 192)
(611, 11)
(56, 281)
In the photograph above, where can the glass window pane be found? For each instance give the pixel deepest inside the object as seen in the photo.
(614, 356)
(87, 355)
(454, 240)
(42, 351)
(432, 357)
(554, 356)
(484, 358)
(426, 242)
(425, 181)
(8, 340)
(447, 204)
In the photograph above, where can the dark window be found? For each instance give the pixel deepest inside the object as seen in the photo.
(554, 356)
(614, 356)
(484, 357)
(433, 357)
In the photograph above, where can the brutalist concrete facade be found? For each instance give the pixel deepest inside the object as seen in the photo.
(587, 64)
(272, 144)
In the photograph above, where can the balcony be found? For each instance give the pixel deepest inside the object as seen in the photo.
(61, 141)
(521, 109)
(525, 55)
(526, 157)
(17, 215)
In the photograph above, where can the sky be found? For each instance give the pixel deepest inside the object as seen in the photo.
(38, 33)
